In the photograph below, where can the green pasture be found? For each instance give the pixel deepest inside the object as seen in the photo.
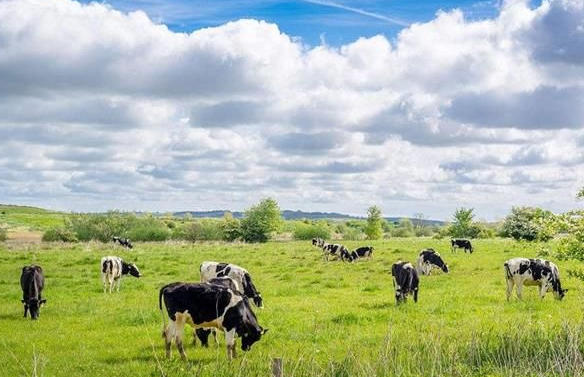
(324, 318)
(30, 217)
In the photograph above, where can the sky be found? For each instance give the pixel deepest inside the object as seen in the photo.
(415, 106)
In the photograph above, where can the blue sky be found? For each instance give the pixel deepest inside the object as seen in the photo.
(405, 107)
(338, 22)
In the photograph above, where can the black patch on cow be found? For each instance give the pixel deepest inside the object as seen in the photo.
(107, 265)
(225, 282)
(222, 269)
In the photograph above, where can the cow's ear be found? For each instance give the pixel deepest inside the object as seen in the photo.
(565, 290)
(22, 301)
(264, 331)
(43, 301)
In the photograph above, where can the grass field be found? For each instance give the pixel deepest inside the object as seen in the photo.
(324, 319)
(30, 217)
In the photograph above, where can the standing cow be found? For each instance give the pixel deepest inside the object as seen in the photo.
(32, 282)
(328, 249)
(361, 252)
(210, 270)
(538, 272)
(461, 243)
(208, 305)
(429, 259)
(405, 281)
(112, 270)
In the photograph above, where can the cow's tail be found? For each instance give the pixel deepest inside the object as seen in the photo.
(508, 274)
(161, 312)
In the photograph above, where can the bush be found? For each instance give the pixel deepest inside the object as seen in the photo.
(204, 230)
(527, 223)
(304, 231)
(261, 221)
(402, 232)
(3, 234)
(230, 227)
(59, 235)
(351, 233)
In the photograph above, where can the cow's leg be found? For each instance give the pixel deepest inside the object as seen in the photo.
(519, 290)
(509, 288)
(119, 281)
(230, 340)
(168, 335)
(25, 310)
(110, 280)
(103, 282)
(178, 335)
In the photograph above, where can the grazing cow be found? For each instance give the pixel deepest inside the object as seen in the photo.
(328, 249)
(428, 259)
(405, 281)
(240, 275)
(361, 252)
(540, 272)
(208, 305)
(125, 242)
(112, 270)
(32, 282)
(462, 243)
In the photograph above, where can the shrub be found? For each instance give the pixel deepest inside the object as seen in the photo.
(59, 235)
(230, 227)
(3, 234)
(351, 233)
(260, 221)
(204, 230)
(304, 231)
(527, 223)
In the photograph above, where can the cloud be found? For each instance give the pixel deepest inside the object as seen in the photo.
(104, 109)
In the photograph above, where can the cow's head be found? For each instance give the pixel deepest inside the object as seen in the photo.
(445, 268)
(559, 293)
(132, 269)
(317, 241)
(250, 336)
(34, 306)
(258, 300)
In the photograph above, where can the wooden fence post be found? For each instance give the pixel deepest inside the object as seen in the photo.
(277, 367)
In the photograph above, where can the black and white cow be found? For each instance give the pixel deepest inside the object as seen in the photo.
(125, 242)
(539, 272)
(112, 270)
(429, 259)
(32, 282)
(405, 281)
(329, 249)
(240, 275)
(208, 305)
(203, 333)
(361, 252)
(461, 243)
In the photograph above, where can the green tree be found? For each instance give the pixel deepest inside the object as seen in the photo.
(528, 223)
(462, 224)
(261, 220)
(374, 228)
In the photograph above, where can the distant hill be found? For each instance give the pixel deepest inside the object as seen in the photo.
(298, 215)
